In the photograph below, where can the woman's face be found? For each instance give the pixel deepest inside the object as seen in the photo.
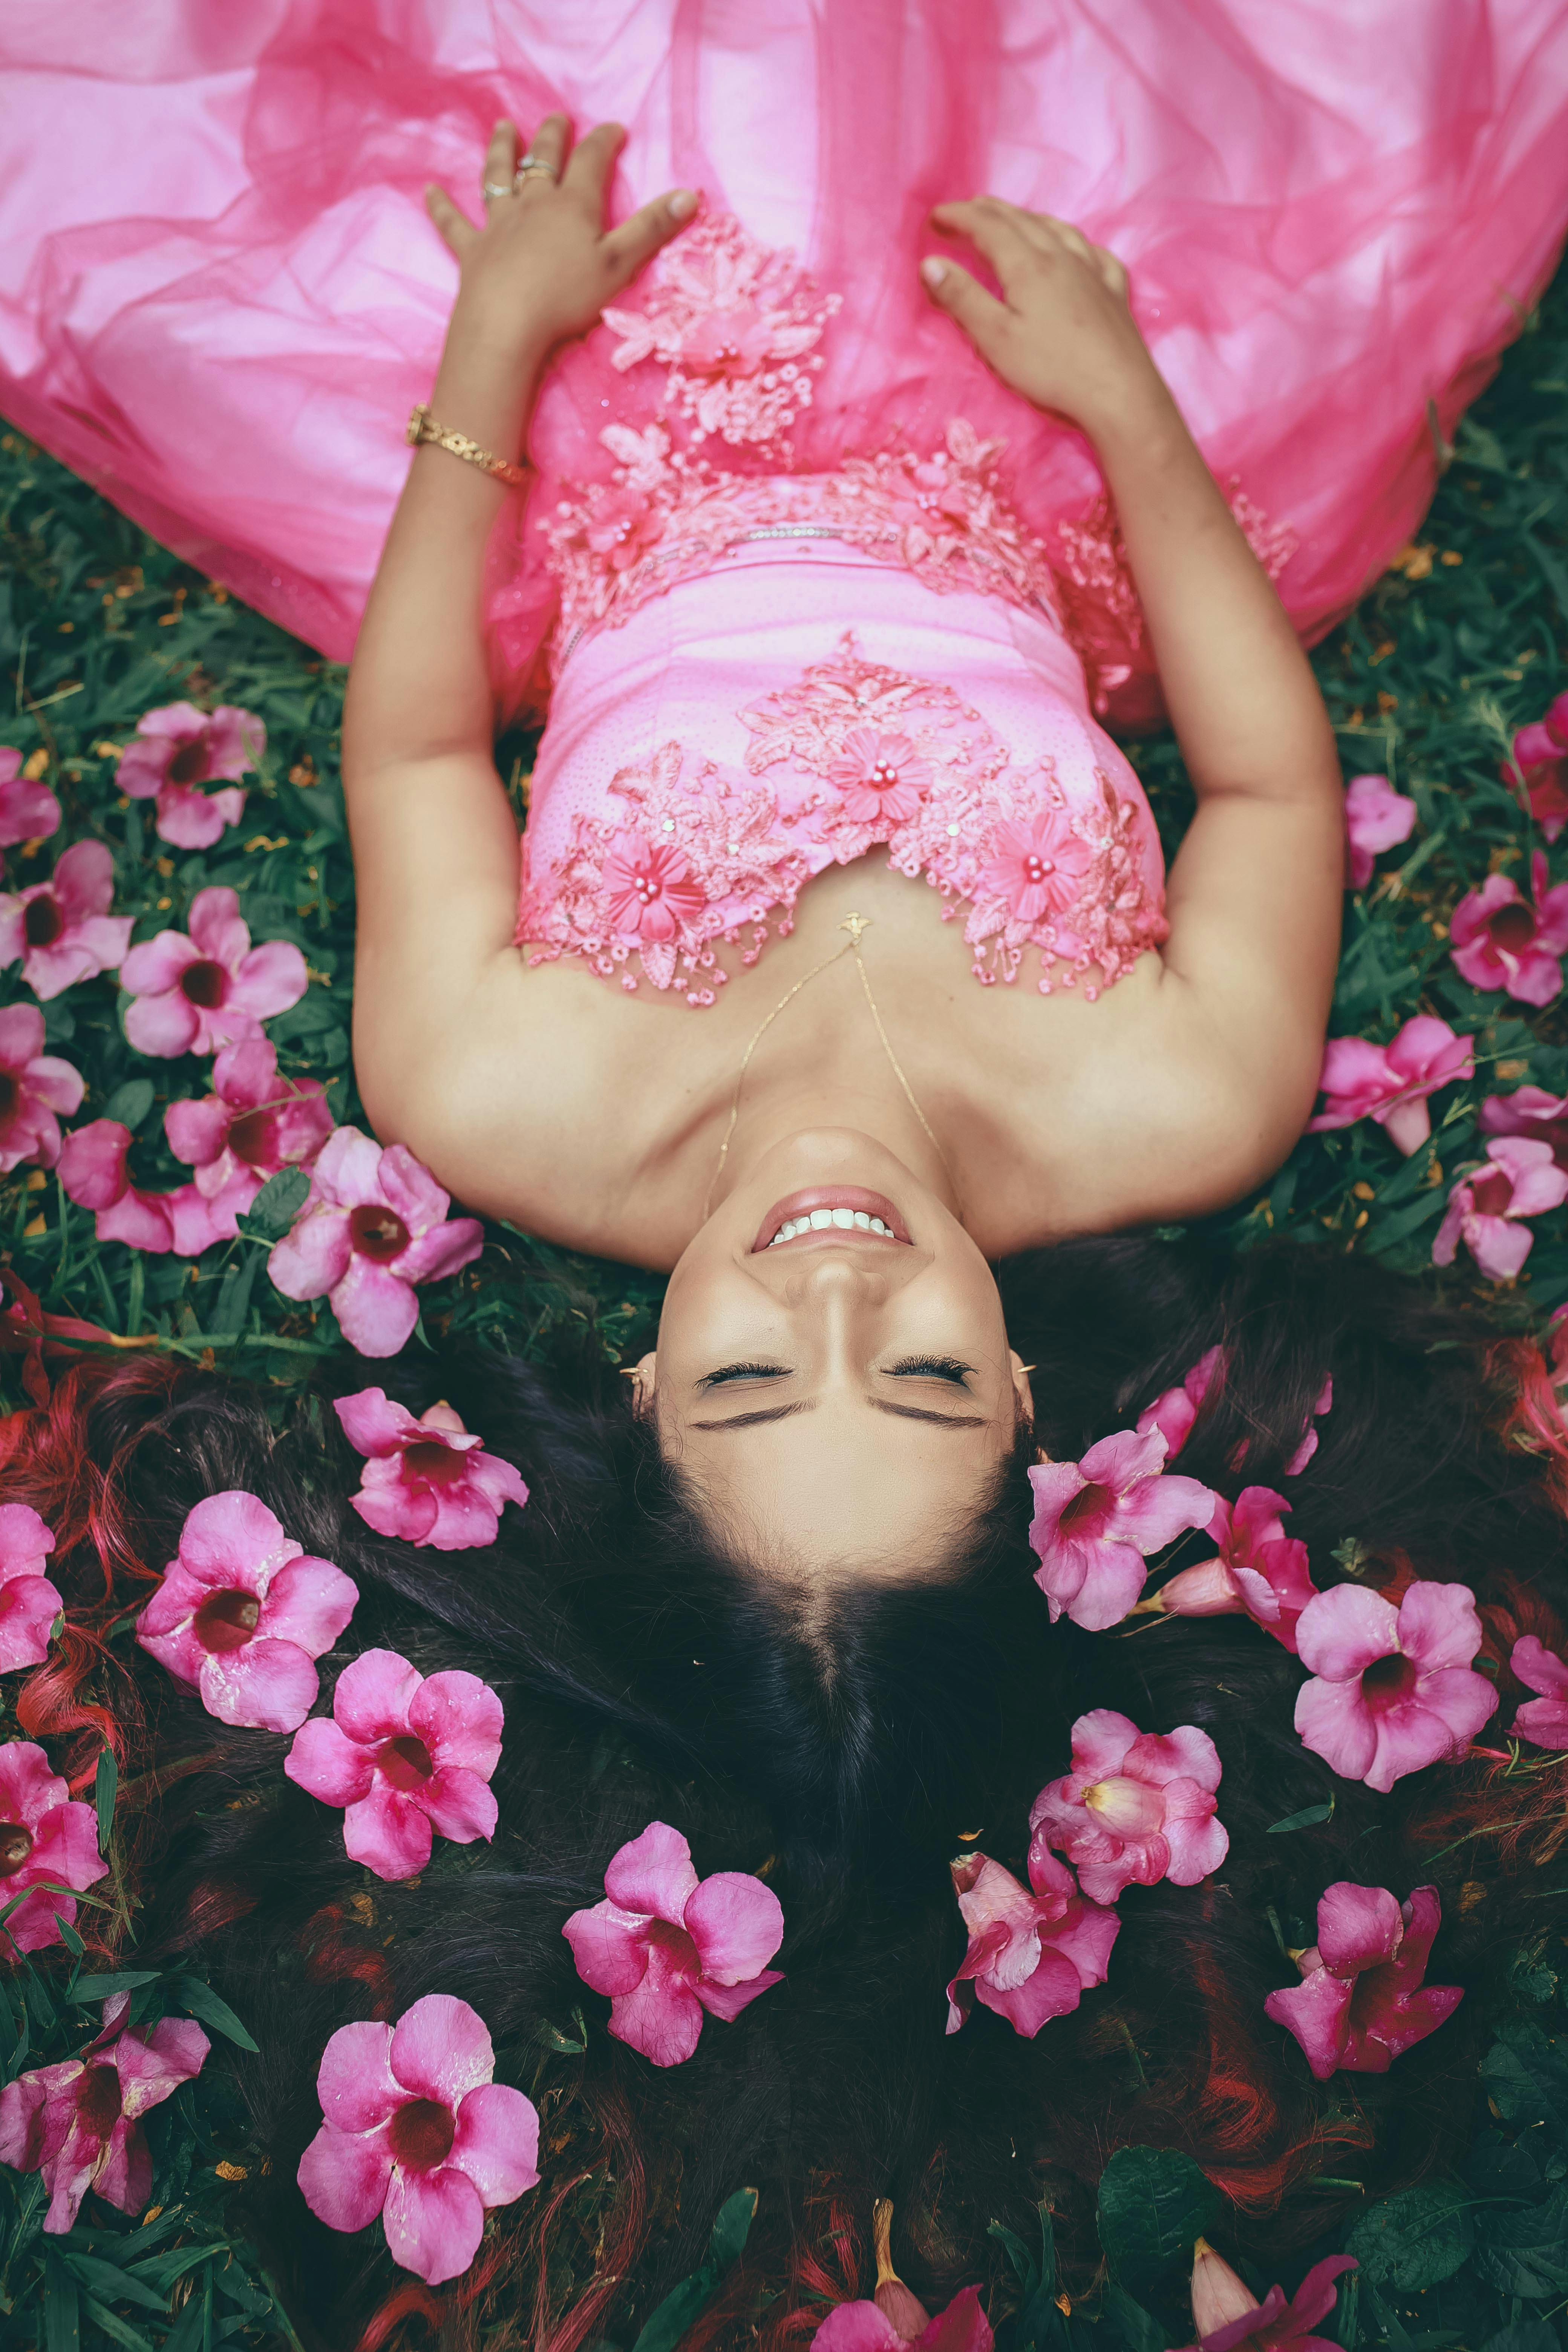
(840, 1398)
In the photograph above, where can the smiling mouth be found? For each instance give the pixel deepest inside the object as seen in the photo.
(846, 1209)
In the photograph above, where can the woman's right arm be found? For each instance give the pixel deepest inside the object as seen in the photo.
(435, 844)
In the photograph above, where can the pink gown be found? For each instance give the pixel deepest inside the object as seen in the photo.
(799, 576)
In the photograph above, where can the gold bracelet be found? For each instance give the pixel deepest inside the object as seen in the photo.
(422, 426)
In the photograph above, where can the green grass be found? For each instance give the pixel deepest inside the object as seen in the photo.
(1426, 683)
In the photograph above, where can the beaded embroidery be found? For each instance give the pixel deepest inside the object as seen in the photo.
(859, 755)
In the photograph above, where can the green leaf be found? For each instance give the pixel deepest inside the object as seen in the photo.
(88, 1988)
(1135, 2326)
(686, 2303)
(62, 2323)
(277, 1205)
(1526, 2254)
(131, 1103)
(107, 2278)
(1307, 1818)
(118, 2330)
(1526, 2074)
(205, 2004)
(105, 1789)
(1524, 2336)
(1040, 2323)
(1414, 2239)
(1154, 2203)
(190, 2330)
(69, 1938)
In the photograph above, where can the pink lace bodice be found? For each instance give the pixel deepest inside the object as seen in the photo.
(795, 704)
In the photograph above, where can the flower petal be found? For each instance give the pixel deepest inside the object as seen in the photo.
(653, 1874)
(344, 2177)
(736, 1924)
(389, 1833)
(434, 2222)
(1343, 1631)
(265, 1686)
(441, 2049)
(497, 2143)
(355, 2084)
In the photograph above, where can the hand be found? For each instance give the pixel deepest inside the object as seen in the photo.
(544, 266)
(1062, 334)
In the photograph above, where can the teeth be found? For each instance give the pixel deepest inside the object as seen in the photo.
(822, 1219)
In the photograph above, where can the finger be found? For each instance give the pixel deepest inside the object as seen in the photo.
(952, 289)
(990, 229)
(501, 162)
(1073, 238)
(636, 240)
(588, 173)
(1114, 272)
(550, 145)
(457, 231)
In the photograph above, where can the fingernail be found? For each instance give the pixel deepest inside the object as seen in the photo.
(933, 269)
(683, 204)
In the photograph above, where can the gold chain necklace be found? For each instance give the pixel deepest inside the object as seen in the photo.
(855, 925)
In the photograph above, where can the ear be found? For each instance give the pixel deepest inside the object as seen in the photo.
(1020, 1387)
(643, 1379)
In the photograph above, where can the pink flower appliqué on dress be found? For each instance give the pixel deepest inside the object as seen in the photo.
(667, 1947)
(427, 1480)
(1360, 2002)
(1095, 1522)
(406, 1755)
(1392, 1689)
(28, 1601)
(62, 928)
(243, 1613)
(1542, 1721)
(1137, 1806)
(736, 323)
(79, 2124)
(415, 2130)
(1033, 1950)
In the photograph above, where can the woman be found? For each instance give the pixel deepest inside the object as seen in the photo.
(779, 1597)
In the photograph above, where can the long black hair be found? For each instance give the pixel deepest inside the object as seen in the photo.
(846, 1753)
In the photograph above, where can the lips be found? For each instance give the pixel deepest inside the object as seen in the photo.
(854, 1199)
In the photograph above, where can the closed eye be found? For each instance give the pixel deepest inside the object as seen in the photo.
(743, 1372)
(932, 1368)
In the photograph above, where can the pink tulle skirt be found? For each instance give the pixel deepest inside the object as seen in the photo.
(219, 295)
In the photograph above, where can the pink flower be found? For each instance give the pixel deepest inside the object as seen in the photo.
(1361, 2002)
(1230, 2319)
(405, 1754)
(95, 1175)
(650, 889)
(1544, 1721)
(666, 1945)
(1376, 818)
(1037, 865)
(619, 524)
(1137, 1806)
(28, 810)
(62, 928)
(1485, 1206)
(1174, 1411)
(414, 2127)
(1259, 1571)
(1529, 1111)
(426, 1481)
(34, 1086)
(1541, 757)
(242, 1614)
(252, 1126)
(373, 1225)
(194, 994)
(43, 1836)
(79, 2124)
(1308, 1445)
(1096, 1521)
(1392, 1688)
(963, 2327)
(28, 1601)
(1032, 1955)
(880, 776)
(1391, 1083)
(177, 749)
(1501, 940)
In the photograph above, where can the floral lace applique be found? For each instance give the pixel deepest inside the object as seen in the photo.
(873, 755)
(1101, 614)
(737, 325)
(664, 516)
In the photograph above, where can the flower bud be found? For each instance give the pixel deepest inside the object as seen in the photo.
(1206, 1591)
(1219, 2297)
(898, 2304)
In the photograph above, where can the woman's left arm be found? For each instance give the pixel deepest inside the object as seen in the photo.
(435, 844)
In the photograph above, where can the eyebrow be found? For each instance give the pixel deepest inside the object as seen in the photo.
(904, 1413)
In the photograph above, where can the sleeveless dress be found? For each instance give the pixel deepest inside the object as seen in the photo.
(798, 577)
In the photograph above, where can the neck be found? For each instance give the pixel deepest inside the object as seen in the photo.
(850, 1096)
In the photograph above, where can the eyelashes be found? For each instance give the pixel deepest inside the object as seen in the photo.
(939, 1368)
